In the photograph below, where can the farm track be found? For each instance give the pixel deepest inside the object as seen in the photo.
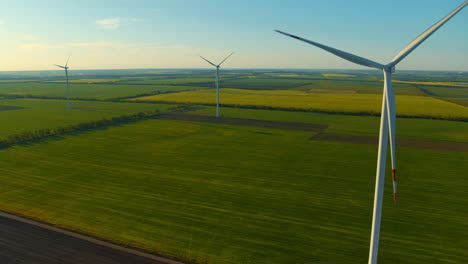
(425, 92)
(9, 107)
(438, 145)
(26, 241)
(244, 122)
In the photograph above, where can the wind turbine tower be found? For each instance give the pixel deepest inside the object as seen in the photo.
(217, 80)
(66, 76)
(387, 120)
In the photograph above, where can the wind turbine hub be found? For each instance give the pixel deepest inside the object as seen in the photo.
(390, 69)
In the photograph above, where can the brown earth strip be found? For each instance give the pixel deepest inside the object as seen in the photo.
(401, 142)
(244, 122)
(439, 145)
(24, 241)
(9, 107)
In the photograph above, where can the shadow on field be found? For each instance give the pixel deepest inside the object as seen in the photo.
(10, 107)
(438, 145)
(244, 122)
(91, 109)
(48, 139)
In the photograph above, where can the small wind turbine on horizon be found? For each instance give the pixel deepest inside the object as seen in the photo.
(217, 80)
(387, 120)
(66, 76)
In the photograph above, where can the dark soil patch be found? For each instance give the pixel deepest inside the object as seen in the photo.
(439, 145)
(244, 122)
(9, 107)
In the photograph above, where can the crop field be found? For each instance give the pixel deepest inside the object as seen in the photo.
(354, 125)
(89, 81)
(284, 176)
(264, 84)
(174, 81)
(35, 114)
(292, 99)
(266, 196)
(16, 81)
(447, 92)
(364, 87)
(448, 84)
(292, 75)
(87, 91)
(326, 75)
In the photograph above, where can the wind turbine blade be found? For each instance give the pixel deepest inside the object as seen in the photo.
(421, 38)
(390, 106)
(225, 59)
(59, 66)
(209, 61)
(342, 54)
(67, 60)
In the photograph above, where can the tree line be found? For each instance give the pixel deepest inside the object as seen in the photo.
(49, 132)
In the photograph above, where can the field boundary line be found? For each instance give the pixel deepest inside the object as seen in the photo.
(272, 108)
(441, 98)
(50, 227)
(243, 122)
(438, 145)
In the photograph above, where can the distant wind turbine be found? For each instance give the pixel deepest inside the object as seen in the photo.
(387, 120)
(66, 76)
(217, 80)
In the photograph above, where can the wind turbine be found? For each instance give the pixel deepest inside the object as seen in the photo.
(66, 75)
(217, 80)
(387, 120)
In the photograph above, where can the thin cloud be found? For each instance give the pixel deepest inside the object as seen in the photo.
(2, 22)
(36, 46)
(99, 44)
(115, 23)
(28, 37)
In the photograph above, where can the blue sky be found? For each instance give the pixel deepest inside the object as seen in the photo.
(171, 34)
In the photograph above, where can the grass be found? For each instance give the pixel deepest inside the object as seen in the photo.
(16, 81)
(285, 75)
(355, 125)
(326, 75)
(94, 91)
(39, 114)
(293, 99)
(266, 196)
(89, 80)
(362, 87)
(264, 83)
(178, 81)
(449, 84)
(447, 92)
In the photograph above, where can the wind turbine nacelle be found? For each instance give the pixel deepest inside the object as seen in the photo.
(389, 68)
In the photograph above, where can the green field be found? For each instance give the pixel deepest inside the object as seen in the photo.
(174, 81)
(355, 125)
(266, 196)
(213, 193)
(87, 91)
(440, 84)
(264, 84)
(39, 114)
(347, 87)
(447, 92)
(291, 99)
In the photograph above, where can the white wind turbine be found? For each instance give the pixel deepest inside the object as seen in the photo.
(217, 80)
(387, 121)
(66, 76)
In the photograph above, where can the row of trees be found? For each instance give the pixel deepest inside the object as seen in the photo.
(49, 132)
(117, 99)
